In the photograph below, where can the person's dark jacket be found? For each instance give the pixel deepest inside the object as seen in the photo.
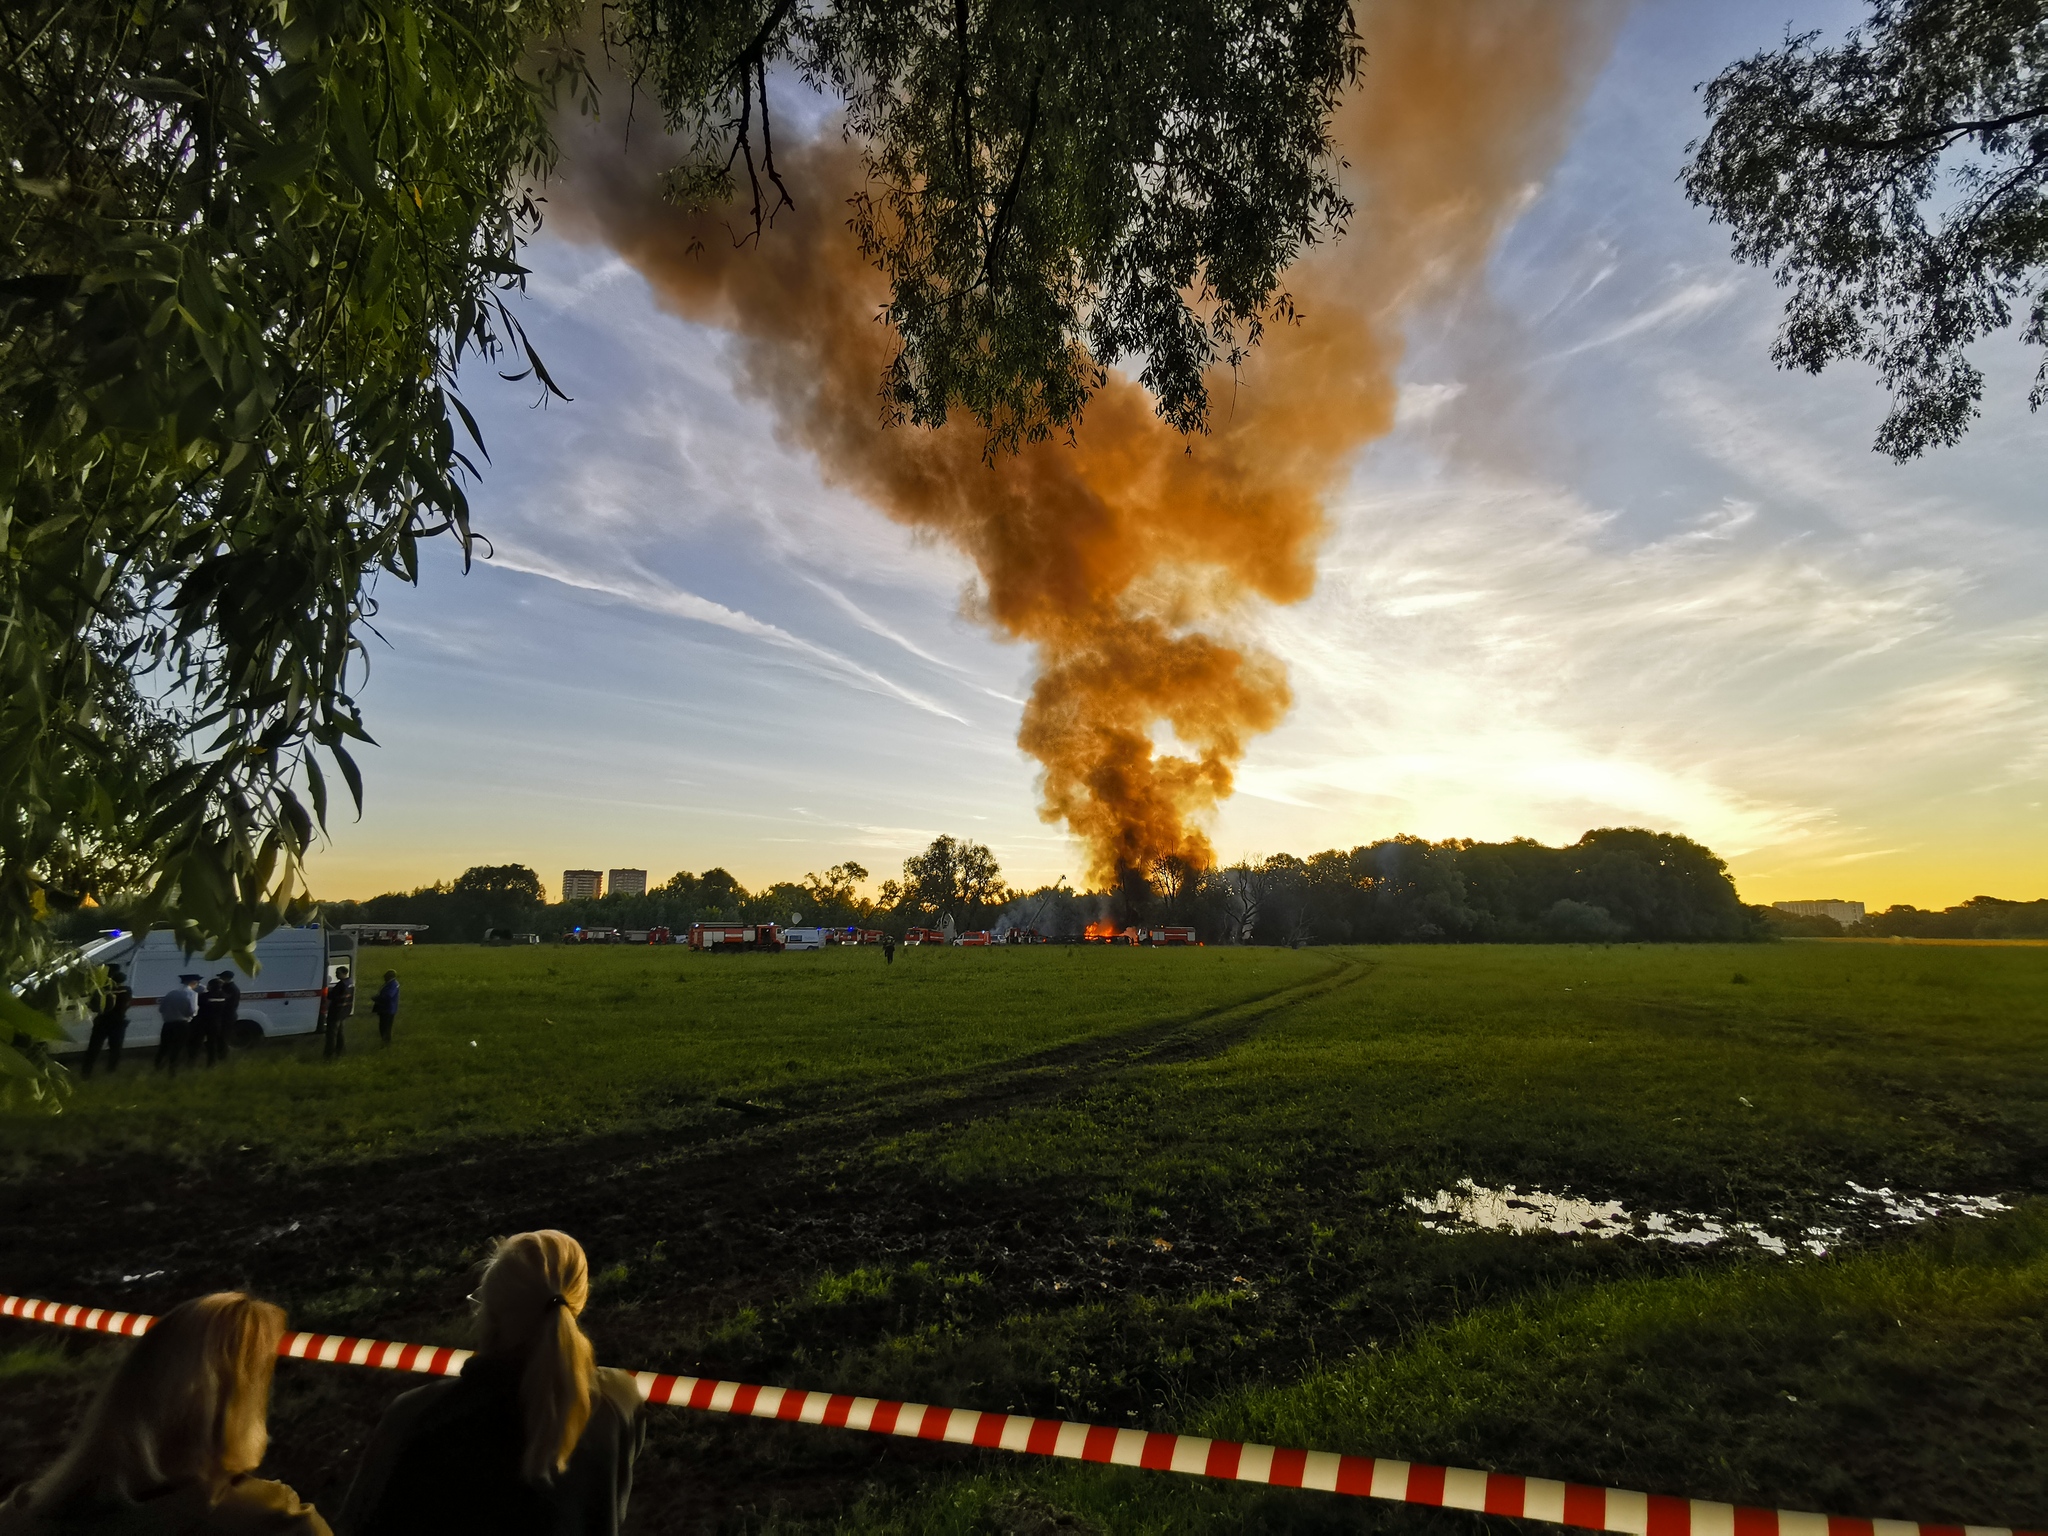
(114, 1003)
(212, 1009)
(445, 1460)
(341, 997)
(230, 1010)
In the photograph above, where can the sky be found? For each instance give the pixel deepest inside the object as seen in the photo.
(1610, 568)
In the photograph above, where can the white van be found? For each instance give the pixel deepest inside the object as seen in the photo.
(285, 998)
(803, 938)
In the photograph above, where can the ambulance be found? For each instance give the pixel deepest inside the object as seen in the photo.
(283, 998)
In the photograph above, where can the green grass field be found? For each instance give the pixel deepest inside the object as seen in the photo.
(1160, 1188)
(563, 1041)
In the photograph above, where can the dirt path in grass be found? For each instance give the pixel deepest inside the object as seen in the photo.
(707, 1221)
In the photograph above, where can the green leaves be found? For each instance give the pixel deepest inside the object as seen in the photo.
(1055, 185)
(251, 246)
(1826, 164)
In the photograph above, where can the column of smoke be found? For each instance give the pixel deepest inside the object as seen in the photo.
(1128, 557)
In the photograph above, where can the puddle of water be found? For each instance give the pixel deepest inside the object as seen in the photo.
(1476, 1207)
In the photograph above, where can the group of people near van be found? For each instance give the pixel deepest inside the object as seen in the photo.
(532, 1437)
(199, 1014)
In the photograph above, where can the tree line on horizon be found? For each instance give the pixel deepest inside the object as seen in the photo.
(1613, 884)
(1981, 917)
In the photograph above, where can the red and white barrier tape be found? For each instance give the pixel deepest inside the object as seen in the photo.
(1494, 1493)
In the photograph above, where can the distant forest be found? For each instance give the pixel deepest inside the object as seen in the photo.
(1981, 917)
(1613, 884)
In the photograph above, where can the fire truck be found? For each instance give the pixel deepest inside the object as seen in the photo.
(976, 939)
(924, 936)
(591, 936)
(735, 936)
(660, 936)
(1163, 936)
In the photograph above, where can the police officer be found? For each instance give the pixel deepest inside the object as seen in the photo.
(110, 1023)
(176, 1008)
(211, 1024)
(341, 1002)
(231, 1010)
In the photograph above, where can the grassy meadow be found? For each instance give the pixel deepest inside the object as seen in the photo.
(563, 1040)
(1159, 1188)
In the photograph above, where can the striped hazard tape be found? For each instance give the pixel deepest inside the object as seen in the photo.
(1406, 1482)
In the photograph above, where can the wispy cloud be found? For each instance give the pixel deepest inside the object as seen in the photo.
(1488, 656)
(1683, 305)
(652, 595)
(875, 626)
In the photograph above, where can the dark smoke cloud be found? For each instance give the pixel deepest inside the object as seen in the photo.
(1126, 557)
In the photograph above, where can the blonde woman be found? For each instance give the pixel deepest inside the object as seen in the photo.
(168, 1447)
(532, 1437)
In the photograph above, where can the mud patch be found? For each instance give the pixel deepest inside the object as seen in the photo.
(1856, 1212)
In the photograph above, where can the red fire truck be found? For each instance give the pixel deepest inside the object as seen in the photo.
(660, 936)
(735, 936)
(924, 936)
(976, 939)
(1160, 936)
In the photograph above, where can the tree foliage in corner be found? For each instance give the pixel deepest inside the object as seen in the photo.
(1054, 185)
(1895, 183)
(248, 245)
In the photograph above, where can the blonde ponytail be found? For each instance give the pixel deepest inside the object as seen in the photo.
(532, 1291)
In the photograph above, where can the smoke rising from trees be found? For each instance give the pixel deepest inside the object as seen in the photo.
(1129, 556)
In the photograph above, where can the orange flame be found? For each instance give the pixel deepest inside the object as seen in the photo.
(1120, 554)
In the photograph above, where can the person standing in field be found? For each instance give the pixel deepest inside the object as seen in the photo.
(231, 1010)
(176, 1008)
(385, 1006)
(168, 1447)
(209, 1026)
(532, 1439)
(341, 1002)
(888, 949)
(110, 1023)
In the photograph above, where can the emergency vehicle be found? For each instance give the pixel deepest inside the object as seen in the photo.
(286, 998)
(924, 936)
(805, 938)
(976, 938)
(734, 936)
(1161, 936)
(384, 933)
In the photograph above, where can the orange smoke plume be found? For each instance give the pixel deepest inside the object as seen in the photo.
(1127, 556)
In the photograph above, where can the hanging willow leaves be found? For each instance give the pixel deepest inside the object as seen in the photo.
(248, 245)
